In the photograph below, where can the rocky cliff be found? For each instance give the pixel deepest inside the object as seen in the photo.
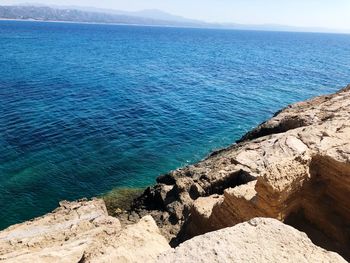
(294, 168)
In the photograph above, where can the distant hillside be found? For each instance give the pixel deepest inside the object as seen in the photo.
(44, 13)
(160, 15)
(144, 17)
(153, 14)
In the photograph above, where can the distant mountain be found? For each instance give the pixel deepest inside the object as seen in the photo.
(153, 14)
(145, 17)
(45, 13)
(160, 15)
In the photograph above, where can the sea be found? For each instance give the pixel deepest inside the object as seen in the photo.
(88, 108)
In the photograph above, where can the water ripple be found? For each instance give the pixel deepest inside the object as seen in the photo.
(85, 108)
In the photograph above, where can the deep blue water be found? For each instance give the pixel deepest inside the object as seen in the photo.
(87, 108)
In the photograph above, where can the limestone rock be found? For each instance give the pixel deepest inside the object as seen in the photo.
(296, 164)
(311, 112)
(259, 240)
(81, 232)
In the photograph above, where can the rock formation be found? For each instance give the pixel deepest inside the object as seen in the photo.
(81, 232)
(259, 240)
(294, 168)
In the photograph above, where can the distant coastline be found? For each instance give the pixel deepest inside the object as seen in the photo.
(81, 16)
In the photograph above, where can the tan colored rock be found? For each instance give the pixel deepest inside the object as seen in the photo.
(311, 112)
(259, 240)
(141, 242)
(297, 163)
(81, 231)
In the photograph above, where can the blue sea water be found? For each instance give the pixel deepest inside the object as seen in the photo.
(87, 108)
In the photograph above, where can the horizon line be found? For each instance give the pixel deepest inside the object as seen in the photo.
(205, 24)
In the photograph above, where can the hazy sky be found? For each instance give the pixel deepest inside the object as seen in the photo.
(315, 13)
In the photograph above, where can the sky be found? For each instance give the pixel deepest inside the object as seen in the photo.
(332, 14)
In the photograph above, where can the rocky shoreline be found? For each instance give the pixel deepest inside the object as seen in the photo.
(293, 168)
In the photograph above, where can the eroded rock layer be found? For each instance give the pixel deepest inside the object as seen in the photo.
(81, 232)
(259, 240)
(298, 162)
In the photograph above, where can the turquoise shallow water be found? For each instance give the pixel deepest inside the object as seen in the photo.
(86, 108)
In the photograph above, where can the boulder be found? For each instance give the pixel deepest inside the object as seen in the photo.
(259, 240)
(81, 231)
